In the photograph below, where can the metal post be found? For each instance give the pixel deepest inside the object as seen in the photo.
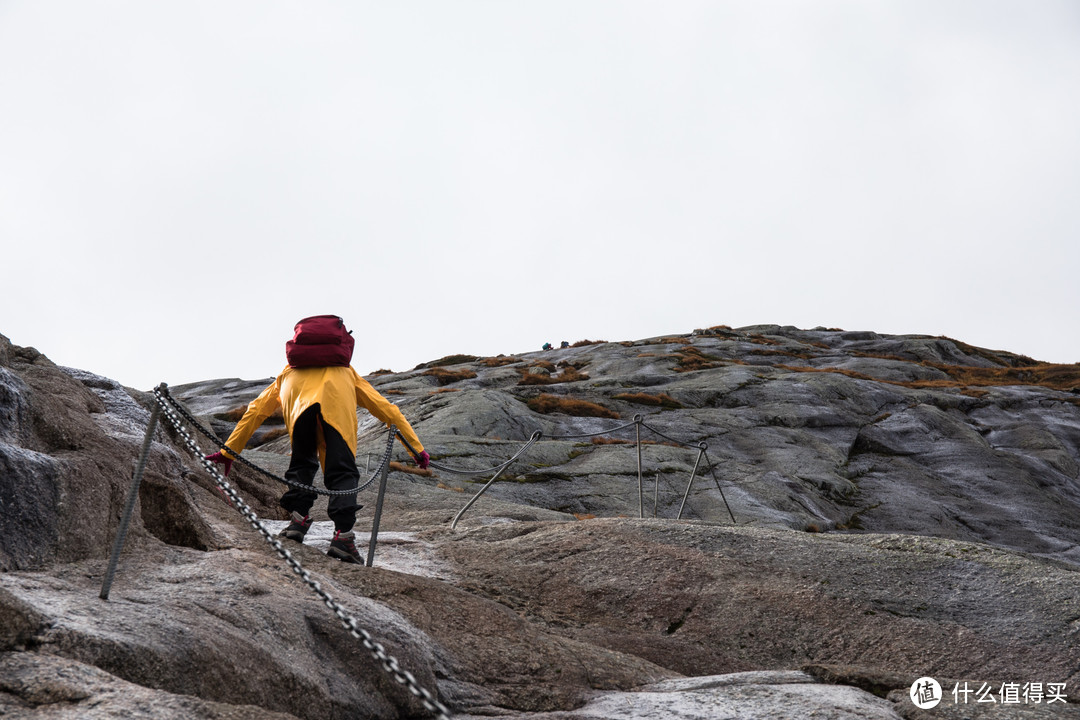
(379, 503)
(656, 493)
(712, 471)
(133, 495)
(640, 495)
(532, 440)
(701, 454)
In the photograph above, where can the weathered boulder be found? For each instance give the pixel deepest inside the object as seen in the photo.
(34, 685)
(69, 441)
(62, 477)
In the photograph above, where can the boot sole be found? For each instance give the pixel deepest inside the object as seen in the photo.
(343, 556)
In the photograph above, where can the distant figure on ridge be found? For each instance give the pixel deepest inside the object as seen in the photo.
(547, 346)
(564, 345)
(318, 393)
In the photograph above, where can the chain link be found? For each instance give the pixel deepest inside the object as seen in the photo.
(388, 662)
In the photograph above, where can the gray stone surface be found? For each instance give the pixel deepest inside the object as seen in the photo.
(36, 686)
(742, 696)
(942, 515)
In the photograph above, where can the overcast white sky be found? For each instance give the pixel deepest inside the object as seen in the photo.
(180, 182)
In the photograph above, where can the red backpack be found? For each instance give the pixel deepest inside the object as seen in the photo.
(320, 341)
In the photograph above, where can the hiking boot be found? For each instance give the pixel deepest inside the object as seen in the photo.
(343, 548)
(298, 528)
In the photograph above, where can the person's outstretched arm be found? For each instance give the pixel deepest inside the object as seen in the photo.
(369, 398)
(257, 411)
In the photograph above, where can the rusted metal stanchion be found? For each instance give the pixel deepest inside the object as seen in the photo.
(655, 493)
(701, 453)
(129, 509)
(640, 493)
(379, 503)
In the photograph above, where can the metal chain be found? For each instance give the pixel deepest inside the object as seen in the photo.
(596, 434)
(388, 662)
(163, 392)
(456, 471)
(502, 466)
(654, 431)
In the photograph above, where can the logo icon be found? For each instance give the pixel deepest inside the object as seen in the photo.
(926, 693)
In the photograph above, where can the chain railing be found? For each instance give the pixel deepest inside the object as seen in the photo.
(637, 423)
(172, 413)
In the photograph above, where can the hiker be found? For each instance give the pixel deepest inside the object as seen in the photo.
(547, 346)
(564, 345)
(318, 393)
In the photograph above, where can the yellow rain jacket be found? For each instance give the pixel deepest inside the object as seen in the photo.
(337, 390)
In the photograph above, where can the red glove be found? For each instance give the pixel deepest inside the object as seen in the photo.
(219, 458)
(423, 459)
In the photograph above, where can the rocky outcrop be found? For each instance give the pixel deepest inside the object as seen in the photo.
(940, 479)
(806, 429)
(39, 685)
(68, 443)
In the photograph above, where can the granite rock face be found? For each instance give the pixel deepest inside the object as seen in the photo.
(903, 507)
(805, 429)
(69, 441)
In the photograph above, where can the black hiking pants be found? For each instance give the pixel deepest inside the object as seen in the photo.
(340, 472)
